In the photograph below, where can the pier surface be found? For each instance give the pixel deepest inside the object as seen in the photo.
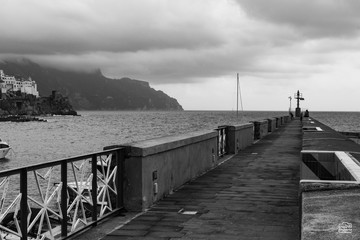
(253, 195)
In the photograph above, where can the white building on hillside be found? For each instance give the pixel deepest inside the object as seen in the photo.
(10, 83)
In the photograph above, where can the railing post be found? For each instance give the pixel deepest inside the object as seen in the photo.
(120, 159)
(257, 130)
(222, 140)
(64, 198)
(94, 188)
(218, 143)
(226, 140)
(23, 203)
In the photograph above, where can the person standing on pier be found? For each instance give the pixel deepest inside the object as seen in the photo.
(306, 113)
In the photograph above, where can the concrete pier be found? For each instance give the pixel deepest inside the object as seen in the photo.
(253, 195)
(330, 184)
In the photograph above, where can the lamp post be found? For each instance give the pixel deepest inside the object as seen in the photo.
(290, 104)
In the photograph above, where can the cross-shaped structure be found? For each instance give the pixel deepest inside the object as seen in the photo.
(298, 97)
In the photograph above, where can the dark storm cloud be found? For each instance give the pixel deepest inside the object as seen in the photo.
(93, 28)
(318, 18)
(157, 38)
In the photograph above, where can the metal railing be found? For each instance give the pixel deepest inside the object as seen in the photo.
(55, 200)
(222, 138)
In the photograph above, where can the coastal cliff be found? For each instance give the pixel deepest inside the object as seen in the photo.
(92, 90)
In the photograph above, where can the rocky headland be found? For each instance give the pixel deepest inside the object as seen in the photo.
(85, 91)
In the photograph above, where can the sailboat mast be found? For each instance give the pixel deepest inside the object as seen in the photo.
(237, 95)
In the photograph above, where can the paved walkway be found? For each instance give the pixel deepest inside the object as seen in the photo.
(254, 195)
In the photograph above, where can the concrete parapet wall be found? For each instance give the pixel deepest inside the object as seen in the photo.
(271, 124)
(278, 122)
(282, 120)
(239, 137)
(264, 128)
(157, 167)
(260, 129)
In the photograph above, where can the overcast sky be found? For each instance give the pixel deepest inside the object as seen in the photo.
(192, 49)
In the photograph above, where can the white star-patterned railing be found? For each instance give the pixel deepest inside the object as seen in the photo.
(55, 200)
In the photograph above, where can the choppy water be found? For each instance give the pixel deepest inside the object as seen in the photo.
(339, 121)
(66, 136)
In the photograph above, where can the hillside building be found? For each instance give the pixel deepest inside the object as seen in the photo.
(11, 83)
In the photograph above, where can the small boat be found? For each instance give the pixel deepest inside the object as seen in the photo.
(4, 149)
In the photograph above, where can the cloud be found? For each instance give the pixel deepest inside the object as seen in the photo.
(316, 19)
(76, 26)
(162, 41)
(179, 44)
(157, 39)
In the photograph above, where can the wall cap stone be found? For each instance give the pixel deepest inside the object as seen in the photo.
(242, 126)
(163, 144)
(260, 121)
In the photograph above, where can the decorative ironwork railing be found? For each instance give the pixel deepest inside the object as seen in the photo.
(56, 199)
(221, 140)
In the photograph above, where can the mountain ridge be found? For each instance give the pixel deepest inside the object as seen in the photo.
(92, 90)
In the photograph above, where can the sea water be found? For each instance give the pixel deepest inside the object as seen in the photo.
(339, 121)
(68, 136)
